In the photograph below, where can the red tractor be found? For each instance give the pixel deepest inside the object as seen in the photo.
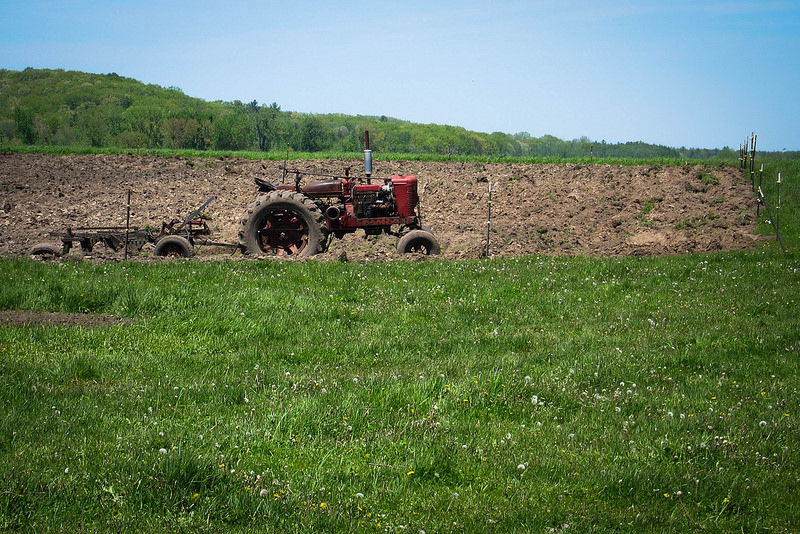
(300, 220)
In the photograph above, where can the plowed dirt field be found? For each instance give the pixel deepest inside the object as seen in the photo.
(564, 209)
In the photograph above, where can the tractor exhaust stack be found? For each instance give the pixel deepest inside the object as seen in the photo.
(367, 156)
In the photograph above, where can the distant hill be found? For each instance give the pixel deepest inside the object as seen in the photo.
(69, 108)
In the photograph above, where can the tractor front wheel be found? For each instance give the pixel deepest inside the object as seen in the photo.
(282, 223)
(418, 241)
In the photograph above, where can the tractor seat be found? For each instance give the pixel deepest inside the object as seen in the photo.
(264, 185)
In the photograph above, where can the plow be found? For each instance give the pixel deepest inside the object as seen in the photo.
(176, 239)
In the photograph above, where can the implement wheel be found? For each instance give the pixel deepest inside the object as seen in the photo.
(173, 246)
(45, 251)
(282, 223)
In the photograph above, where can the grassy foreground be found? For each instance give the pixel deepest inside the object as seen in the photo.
(535, 394)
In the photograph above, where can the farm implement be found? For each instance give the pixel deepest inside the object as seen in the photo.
(176, 239)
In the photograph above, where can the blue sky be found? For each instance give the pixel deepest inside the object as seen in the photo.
(701, 73)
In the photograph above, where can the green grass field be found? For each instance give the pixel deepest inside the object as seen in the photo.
(525, 395)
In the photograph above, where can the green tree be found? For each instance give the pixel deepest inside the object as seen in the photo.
(180, 133)
(23, 124)
(146, 120)
(313, 137)
(266, 125)
(232, 132)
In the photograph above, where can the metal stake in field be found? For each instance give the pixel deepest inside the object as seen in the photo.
(772, 220)
(489, 219)
(753, 138)
(127, 225)
(778, 212)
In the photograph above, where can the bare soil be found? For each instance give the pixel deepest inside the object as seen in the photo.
(566, 209)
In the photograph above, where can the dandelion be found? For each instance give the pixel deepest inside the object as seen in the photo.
(162, 450)
(323, 505)
(359, 495)
(521, 467)
(410, 473)
(263, 493)
(762, 424)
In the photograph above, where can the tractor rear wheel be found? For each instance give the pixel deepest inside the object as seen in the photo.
(282, 223)
(418, 241)
(173, 246)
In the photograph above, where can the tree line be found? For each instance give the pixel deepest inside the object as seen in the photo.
(69, 108)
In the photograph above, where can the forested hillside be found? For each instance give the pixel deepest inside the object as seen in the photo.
(68, 108)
